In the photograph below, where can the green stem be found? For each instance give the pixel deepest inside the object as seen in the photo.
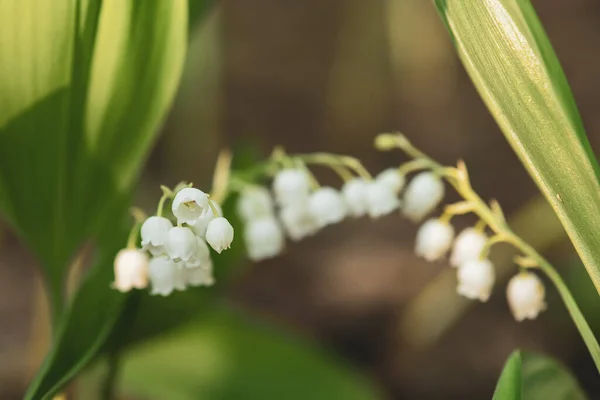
(109, 383)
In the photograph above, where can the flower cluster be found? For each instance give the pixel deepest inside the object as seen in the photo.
(470, 248)
(173, 257)
(299, 207)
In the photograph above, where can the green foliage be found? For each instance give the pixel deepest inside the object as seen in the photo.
(528, 376)
(84, 86)
(513, 66)
(226, 355)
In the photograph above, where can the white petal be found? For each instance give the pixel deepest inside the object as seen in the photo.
(290, 186)
(434, 239)
(526, 296)
(201, 256)
(255, 202)
(181, 243)
(131, 270)
(165, 276)
(422, 195)
(264, 239)
(467, 246)
(298, 221)
(476, 279)
(355, 196)
(326, 206)
(219, 234)
(201, 276)
(190, 204)
(381, 199)
(154, 232)
(199, 226)
(392, 178)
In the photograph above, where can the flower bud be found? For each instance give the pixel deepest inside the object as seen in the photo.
(255, 202)
(131, 270)
(392, 178)
(327, 206)
(200, 276)
(181, 244)
(434, 239)
(298, 221)
(190, 204)
(422, 195)
(165, 276)
(355, 196)
(219, 234)
(476, 279)
(201, 256)
(525, 293)
(291, 186)
(264, 238)
(467, 246)
(201, 223)
(154, 233)
(381, 199)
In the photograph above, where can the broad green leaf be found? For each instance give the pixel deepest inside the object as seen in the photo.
(529, 376)
(84, 86)
(513, 66)
(226, 355)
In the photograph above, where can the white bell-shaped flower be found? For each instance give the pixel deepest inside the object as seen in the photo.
(201, 256)
(154, 233)
(298, 221)
(200, 276)
(327, 206)
(392, 178)
(131, 270)
(190, 204)
(381, 199)
(476, 279)
(525, 293)
(355, 195)
(219, 234)
(181, 244)
(165, 276)
(255, 202)
(264, 238)
(201, 223)
(422, 195)
(467, 246)
(291, 186)
(434, 239)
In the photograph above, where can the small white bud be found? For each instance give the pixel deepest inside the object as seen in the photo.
(181, 243)
(219, 234)
(327, 206)
(467, 246)
(355, 195)
(264, 238)
(190, 204)
(200, 276)
(165, 276)
(255, 202)
(298, 221)
(392, 178)
(525, 293)
(201, 223)
(434, 239)
(291, 186)
(201, 256)
(154, 232)
(476, 279)
(131, 270)
(422, 195)
(381, 199)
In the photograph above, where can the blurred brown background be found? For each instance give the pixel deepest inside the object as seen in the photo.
(318, 75)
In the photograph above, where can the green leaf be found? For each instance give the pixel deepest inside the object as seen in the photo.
(529, 376)
(226, 355)
(84, 86)
(513, 66)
